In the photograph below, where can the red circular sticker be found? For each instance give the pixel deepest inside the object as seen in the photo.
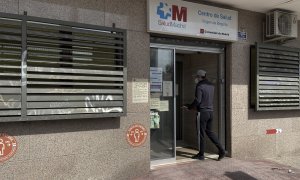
(8, 147)
(136, 135)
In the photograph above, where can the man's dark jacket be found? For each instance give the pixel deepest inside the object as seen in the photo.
(204, 95)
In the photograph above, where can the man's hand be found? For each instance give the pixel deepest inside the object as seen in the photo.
(185, 107)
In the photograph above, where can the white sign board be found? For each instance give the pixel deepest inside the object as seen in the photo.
(191, 19)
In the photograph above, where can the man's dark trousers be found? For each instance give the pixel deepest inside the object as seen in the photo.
(206, 119)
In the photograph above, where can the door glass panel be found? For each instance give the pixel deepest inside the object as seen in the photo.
(162, 103)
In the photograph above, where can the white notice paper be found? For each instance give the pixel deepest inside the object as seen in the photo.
(140, 91)
(164, 106)
(154, 103)
(167, 88)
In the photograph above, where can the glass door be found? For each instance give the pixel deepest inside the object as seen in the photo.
(162, 103)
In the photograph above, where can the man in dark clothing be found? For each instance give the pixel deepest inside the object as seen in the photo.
(203, 103)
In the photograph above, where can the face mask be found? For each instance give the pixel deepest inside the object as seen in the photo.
(196, 80)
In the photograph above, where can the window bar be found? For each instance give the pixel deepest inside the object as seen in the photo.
(24, 69)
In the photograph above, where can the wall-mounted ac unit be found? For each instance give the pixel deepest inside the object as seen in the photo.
(281, 24)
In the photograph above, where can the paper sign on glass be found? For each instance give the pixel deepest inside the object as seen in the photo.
(154, 103)
(167, 88)
(164, 106)
(156, 79)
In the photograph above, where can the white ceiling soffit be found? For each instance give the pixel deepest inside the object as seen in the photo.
(262, 6)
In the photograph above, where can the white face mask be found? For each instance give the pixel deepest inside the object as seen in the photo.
(196, 80)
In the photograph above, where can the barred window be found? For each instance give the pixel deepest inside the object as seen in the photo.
(274, 77)
(60, 70)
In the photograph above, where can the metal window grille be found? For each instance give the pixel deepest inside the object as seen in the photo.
(60, 70)
(275, 77)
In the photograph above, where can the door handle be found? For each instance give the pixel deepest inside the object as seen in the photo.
(222, 81)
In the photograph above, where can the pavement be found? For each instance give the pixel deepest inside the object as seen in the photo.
(293, 160)
(227, 169)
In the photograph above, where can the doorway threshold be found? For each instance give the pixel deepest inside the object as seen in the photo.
(186, 154)
(184, 160)
(158, 166)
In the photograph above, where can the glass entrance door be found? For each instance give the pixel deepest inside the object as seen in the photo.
(162, 135)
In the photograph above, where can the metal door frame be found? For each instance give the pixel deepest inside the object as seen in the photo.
(221, 76)
(169, 160)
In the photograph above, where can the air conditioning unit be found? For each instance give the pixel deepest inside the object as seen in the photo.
(281, 24)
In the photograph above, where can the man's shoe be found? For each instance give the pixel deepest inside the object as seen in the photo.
(201, 158)
(221, 155)
(195, 156)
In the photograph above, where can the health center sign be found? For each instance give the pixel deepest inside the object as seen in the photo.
(193, 20)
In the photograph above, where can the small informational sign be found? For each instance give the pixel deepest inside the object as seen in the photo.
(274, 131)
(8, 147)
(242, 35)
(164, 106)
(140, 91)
(167, 88)
(192, 19)
(156, 74)
(136, 135)
(154, 103)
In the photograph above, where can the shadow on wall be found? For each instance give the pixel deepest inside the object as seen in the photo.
(238, 175)
(58, 126)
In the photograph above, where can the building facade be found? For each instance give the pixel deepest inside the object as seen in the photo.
(97, 148)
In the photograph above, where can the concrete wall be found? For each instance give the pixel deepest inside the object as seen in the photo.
(87, 148)
(97, 148)
(248, 128)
